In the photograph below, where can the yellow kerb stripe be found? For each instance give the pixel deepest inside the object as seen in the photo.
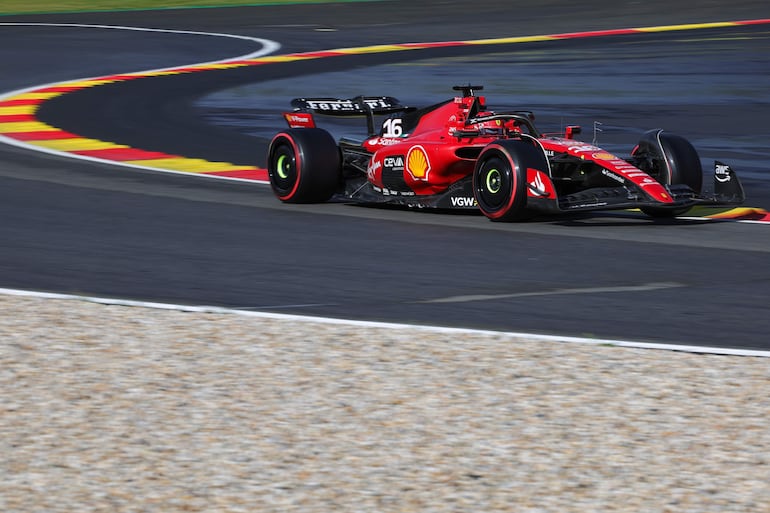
(739, 211)
(376, 49)
(86, 83)
(221, 66)
(281, 58)
(689, 26)
(184, 164)
(34, 96)
(18, 109)
(25, 126)
(509, 40)
(77, 144)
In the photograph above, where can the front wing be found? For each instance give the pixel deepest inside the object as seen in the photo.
(727, 190)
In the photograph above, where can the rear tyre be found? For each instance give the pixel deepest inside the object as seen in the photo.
(671, 160)
(500, 179)
(304, 165)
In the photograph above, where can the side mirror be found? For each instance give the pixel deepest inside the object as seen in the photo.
(572, 131)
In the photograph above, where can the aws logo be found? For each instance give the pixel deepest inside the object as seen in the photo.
(417, 163)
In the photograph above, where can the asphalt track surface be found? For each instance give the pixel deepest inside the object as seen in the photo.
(81, 227)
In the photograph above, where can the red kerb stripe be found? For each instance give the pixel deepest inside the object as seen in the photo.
(42, 135)
(16, 118)
(244, 174)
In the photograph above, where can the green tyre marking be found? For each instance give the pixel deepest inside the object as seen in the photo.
(280, 167)
(493, 181)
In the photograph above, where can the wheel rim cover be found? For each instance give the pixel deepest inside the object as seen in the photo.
(493, 181)
(282, 166)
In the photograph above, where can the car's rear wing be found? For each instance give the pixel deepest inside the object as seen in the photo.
(368, 106)
(357, 106)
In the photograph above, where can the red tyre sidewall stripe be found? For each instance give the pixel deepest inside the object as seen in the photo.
(514, 183)
(297, 163)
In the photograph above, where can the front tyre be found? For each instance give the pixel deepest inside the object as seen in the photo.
(671, 160)
(304, 165)
(500, 178)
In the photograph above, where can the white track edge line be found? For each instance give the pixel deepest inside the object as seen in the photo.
(267, 47)
(531, 337)
(270, 47)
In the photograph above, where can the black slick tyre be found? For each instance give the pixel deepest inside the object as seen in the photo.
(674, 162)
(500, 178)
(304, 165)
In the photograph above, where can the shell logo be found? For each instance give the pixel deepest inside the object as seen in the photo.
(604, 156)
(417, 163)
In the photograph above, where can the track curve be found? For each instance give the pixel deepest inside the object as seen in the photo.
(94, 230)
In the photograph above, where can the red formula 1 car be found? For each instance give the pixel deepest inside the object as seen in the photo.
(457, 154)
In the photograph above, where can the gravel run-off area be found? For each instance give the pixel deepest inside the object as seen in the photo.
(114, 408)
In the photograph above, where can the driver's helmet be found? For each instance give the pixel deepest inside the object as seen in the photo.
(492, 127)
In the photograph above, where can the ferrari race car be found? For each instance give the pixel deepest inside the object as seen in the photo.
(457, 154)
